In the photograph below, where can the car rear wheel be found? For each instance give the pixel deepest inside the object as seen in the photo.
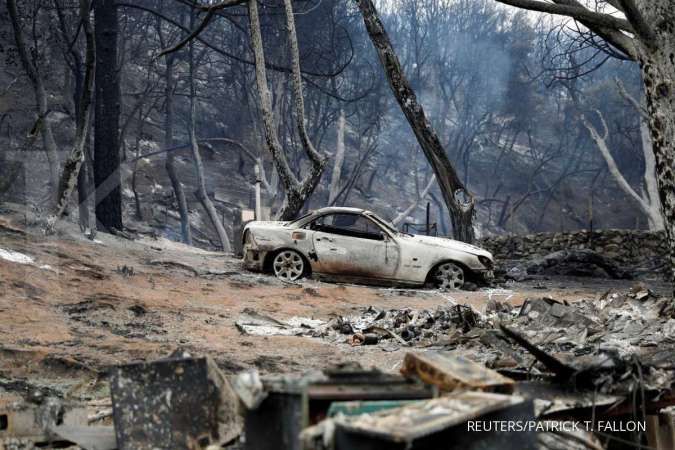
(449, 276)
(288, 265)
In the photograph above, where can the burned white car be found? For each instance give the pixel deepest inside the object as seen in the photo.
(357, 245)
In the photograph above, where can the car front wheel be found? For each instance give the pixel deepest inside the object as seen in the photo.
(288, 265)
(449, 276)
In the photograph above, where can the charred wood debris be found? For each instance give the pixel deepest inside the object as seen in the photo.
(565, 375)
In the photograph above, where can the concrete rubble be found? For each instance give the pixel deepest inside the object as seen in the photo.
(543, 364)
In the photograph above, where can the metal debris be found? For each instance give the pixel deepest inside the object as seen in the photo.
(178, 402)
(296, 402)
(434, 423)
(253, 323)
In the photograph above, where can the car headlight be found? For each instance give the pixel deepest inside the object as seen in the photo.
(487, 262)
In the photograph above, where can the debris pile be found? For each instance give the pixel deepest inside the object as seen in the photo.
(610, 342)
(583, 262)
(398, 327)
(582, 375)
(403, 326)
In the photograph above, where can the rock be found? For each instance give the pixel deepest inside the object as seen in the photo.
(585, 263)
(469, 286)
(312, 291)
(517, 273)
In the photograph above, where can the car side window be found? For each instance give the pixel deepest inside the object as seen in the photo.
(348, 225)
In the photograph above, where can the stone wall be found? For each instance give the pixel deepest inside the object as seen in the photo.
(628, 248)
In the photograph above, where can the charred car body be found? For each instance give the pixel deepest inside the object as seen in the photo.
(356, 244)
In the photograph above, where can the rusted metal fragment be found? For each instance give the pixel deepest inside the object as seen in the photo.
(449, 372)
(172, 403)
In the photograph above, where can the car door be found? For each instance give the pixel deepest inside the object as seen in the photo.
(353, 245)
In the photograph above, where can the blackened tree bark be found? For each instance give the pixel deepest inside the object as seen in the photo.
(339, 159)
(106, 119)
(169, 164)
(169, 141)
(71, 168)
(201, 193)
(73, 58)
(84, 191)
(43, 126)
(656, 56)
(461, 210)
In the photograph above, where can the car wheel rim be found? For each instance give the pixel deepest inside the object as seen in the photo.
(449, 276)
(288, 265)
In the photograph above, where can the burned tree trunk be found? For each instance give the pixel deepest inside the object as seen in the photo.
(297, 192)
(138, 209)
(201, 193)
(461, 210)
(415, 203)
(648, 204)
(339, 159)
(658, 72)
(84, 189)
(71, 168)
(169, 164)
(42, 124)
(106, 118)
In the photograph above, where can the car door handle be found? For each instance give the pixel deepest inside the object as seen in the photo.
(325, 239)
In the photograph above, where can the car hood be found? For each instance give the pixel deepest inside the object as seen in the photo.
(449, 244)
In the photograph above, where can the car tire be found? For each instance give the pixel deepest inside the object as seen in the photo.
(288, 265)
(448, 276)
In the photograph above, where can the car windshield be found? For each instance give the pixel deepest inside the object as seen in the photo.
(304, 216)
(385, 223)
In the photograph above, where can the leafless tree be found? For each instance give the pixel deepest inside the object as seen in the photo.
(296, 191)
(201, 192)
(339, 159)
(648, 200)
(74, 161)
(30, 63)
(169, 118)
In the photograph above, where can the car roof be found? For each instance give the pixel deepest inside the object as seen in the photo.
(340, 209)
